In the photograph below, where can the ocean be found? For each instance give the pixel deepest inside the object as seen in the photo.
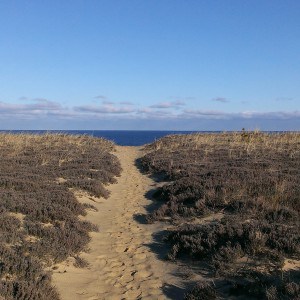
(120, 137)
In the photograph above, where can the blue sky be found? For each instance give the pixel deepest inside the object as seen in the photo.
(150, 64)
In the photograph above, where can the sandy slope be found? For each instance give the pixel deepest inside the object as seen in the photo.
(122, 265)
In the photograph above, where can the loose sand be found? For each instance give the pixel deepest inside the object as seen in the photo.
(123, 263)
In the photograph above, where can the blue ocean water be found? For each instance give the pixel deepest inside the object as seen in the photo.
(120, 137)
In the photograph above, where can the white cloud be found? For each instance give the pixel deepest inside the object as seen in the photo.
(43, 109)
(40, 105)
(37, 109)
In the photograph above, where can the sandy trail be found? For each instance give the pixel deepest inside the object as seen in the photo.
(121, 263)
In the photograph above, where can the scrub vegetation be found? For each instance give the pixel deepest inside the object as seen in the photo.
(40, 222)
(234, 202)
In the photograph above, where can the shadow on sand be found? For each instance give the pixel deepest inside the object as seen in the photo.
(159, 247)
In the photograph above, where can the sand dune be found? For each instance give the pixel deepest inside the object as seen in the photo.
(121, 263)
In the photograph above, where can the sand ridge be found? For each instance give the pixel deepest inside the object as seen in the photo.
(121, 263)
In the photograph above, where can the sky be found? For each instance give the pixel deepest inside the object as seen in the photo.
(150, 64)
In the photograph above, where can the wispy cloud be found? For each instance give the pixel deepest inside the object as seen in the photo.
(100, 97)
(220, 99)
(153, 114)
(104, 109)
(38, 107)
(145, 110)
(42, 109)
(214, 114)
(271, 115)
(173, 104)
(200, 112)
(126, 103)
(107, 102)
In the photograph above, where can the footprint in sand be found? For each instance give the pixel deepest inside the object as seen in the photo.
(121, 265)
(140, 256)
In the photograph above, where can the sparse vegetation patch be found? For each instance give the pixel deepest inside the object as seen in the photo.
(252, 180)
(39, 220)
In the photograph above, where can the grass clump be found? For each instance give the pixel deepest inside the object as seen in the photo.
(39, 220)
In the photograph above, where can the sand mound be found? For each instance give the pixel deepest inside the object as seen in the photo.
(121, 262)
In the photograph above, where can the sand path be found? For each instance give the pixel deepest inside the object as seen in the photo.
(121, 263)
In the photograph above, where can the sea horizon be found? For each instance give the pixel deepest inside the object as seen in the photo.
(124, 137)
